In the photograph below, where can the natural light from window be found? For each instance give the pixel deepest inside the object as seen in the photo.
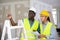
(54, 13)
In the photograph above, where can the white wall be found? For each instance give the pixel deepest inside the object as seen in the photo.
(54, 3)
(39, 6)
(18, 10)
(58, 17)
(5, 1)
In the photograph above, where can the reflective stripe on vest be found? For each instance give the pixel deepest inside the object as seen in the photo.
(46, 30)
(29, 30)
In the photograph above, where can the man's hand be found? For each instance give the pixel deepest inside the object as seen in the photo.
(9, 16)
(11, 19)
(42, 36)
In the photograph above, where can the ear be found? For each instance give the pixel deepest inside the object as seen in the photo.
(34, 15)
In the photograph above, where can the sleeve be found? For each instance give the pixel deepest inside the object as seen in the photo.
(53, 35)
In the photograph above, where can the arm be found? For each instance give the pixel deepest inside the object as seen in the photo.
(11, 20)
(40, 35)
(53, 35)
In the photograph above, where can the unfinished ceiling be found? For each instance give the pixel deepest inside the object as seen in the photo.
(54, 3)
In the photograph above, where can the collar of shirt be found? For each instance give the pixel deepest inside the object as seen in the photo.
(31, 22)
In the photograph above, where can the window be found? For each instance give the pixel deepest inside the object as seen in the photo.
(54, 13)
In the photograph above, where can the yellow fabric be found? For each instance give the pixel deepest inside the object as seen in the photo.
(45, 13)
(29, 30)
(46, 30)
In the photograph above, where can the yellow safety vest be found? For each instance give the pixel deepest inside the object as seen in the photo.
(46, 30)
(29, 30)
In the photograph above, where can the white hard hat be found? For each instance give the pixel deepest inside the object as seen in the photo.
(33, 9)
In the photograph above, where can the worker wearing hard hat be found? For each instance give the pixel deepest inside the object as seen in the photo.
(30, 24)
(47, 29)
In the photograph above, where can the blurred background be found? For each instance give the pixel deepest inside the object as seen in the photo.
(19, 10)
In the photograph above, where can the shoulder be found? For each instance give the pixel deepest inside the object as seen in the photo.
(52, 25)
(37, 21)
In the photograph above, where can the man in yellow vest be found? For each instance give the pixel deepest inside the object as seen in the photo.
(47, 29)
(30, 24)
